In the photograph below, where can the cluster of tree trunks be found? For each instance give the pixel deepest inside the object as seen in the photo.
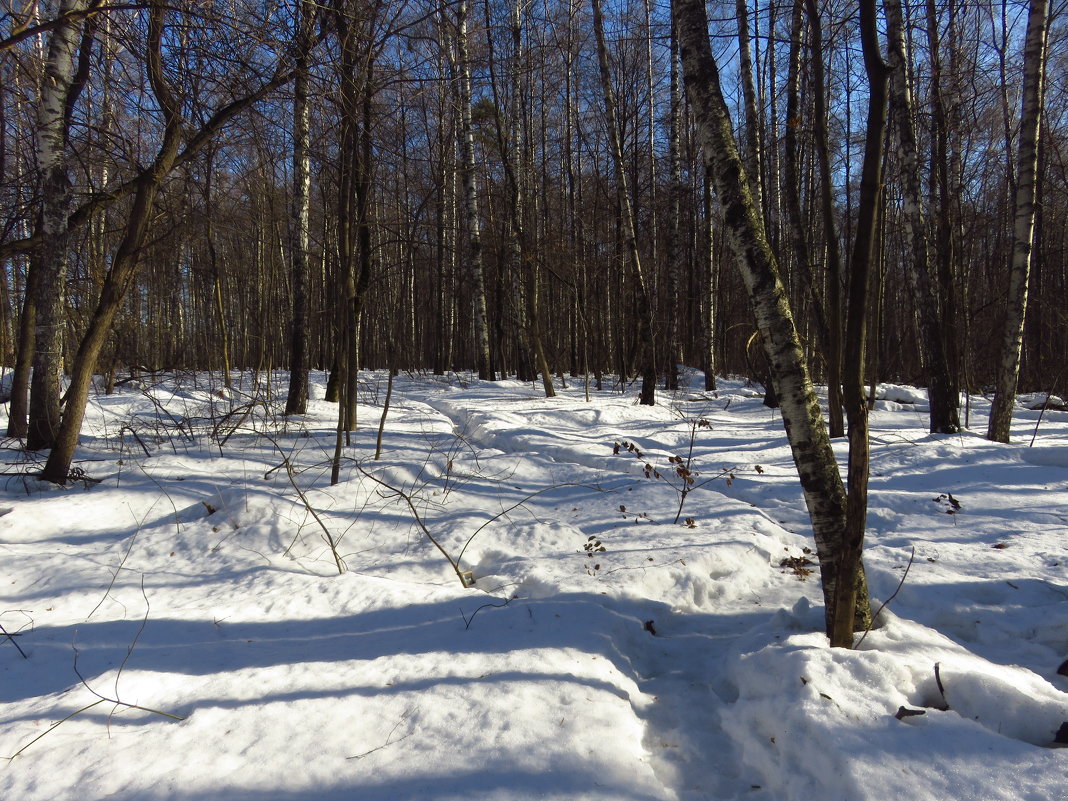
(528, 191)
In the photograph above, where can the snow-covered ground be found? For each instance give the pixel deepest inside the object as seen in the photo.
(604, 651)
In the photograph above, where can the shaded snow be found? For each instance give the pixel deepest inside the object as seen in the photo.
(604, 652)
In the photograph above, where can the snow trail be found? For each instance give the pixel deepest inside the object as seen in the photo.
(604, 653)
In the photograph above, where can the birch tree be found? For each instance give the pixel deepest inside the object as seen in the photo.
(142, 189)
(810, 445)
(45, 303)
(754, 145)
(674, 243)
(1008, 368)
(300, 207)
(461, 63)
(124, 263)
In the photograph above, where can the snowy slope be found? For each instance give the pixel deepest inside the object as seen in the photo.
(604, 651)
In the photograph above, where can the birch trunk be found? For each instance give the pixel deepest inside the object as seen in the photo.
(811, 447)
(1008, 372)
(50, 264)
(476, 273)
(671, 316)
(526, 346)
(297, 397)
(708, 284)
(753, 139)
(124, 265)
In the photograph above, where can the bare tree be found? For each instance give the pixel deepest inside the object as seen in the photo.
(124, 264)
(792, 189)
(45, 299)
(297, 397)
(833, 354)
(461, 64)
(523, 299)
(754, 140)
(941, 390)
(811, 447)
(865, 245)
(643, 310)
(145, 188)
(1008, 372)
(674, 232)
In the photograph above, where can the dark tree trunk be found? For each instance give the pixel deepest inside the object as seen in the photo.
(864, 254)
(941, 389)
(792, 190)
(59, 90)
(833, 356)
(643, 305)
(124, 265)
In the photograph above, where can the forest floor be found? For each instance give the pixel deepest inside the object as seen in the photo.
(184, 622)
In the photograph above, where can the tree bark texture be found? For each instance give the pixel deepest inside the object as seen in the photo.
(833, 355)
(817, 468)
(475, 271)
(674, 249)
(754, 147)
(300, 208)
(865, 246)
(124, 265)
(792, 190)
(944, 105)
(1008, 373)
(50, 264)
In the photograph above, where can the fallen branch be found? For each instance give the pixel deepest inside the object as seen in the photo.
(11, 637)
(101, 698)
(307, 505)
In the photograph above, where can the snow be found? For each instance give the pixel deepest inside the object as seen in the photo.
(604, 651)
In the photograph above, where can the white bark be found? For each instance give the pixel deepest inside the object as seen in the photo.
(480, 316)
(50, 264)
(1024, 227)
(297, 398)
(817, 468)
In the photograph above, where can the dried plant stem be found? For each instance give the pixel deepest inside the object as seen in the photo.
(307, 505)
(900, 584)
(418, 519)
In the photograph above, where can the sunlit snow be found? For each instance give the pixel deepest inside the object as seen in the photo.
(604, 652)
